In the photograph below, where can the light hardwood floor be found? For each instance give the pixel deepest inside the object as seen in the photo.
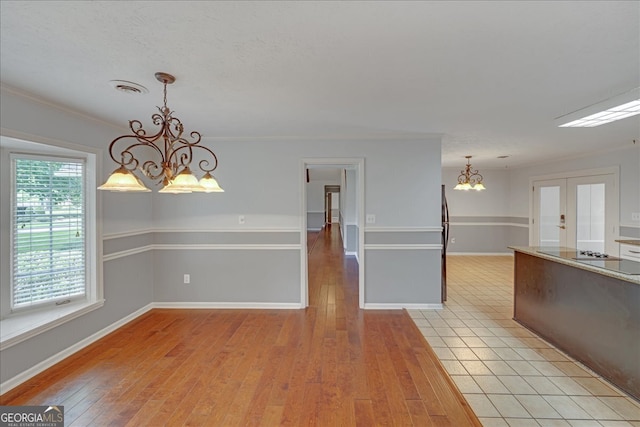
(328, 365)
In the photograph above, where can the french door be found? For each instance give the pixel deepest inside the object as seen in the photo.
(550, 212)
(579, 212)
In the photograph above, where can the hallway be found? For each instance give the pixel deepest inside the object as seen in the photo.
(386, 372)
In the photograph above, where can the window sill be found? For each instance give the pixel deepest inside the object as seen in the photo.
(20, 327)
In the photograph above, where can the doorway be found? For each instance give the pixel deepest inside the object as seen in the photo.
(331, 204)
(356, 166)
(578, 211)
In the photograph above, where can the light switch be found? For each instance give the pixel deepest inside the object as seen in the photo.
(241, 219)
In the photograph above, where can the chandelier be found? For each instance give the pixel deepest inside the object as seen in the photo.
(170, 155)
(469, 179)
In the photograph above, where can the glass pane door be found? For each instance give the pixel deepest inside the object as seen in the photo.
(578, 212)
(591, 200)
(549, 213)
(590, 204)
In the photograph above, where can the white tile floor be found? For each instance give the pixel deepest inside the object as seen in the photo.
(508, 375)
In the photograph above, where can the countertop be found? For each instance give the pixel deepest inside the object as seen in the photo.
(634, 242)
(533, 250)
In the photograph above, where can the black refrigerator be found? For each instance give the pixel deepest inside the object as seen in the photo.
(445, 242)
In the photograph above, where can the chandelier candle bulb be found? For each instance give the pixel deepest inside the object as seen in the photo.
(123, 179)
(172, 155)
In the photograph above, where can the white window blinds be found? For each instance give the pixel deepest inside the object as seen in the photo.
(48, 230)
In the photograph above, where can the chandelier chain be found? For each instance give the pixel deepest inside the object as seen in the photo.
(165, 95)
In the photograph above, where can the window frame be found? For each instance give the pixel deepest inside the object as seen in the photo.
(13, 159)
(25, 322)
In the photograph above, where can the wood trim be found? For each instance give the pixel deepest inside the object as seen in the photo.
(206, 230)
(228, 305)
(202, 247)
(434, 229)
(402, 306)
(403, 247)
(483, 224)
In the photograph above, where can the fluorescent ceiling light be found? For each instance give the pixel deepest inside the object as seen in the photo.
(616, 108)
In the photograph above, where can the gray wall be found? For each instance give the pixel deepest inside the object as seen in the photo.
(487, 235)
(351, 239)
(315, 220)
(410, 256)
(408, 276)
(350, 213)
(480, 221)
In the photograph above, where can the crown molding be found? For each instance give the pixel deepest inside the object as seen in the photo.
(393, 136)
(51, 104)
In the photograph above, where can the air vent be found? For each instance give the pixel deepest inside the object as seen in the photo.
(128, 87)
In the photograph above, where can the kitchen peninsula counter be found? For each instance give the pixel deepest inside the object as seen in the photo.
(590, 312)
(542, 252)
(634, 242)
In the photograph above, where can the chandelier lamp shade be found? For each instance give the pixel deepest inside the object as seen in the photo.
(169, 156)
(469, 179)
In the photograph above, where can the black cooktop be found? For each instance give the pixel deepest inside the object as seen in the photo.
(595, 259)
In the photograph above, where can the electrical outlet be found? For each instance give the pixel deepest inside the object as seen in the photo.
(635, 216)
(453, 240)
(187, 279)
(241, 219)
(371, 219)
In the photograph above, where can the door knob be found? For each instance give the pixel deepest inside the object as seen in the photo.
(561, 226)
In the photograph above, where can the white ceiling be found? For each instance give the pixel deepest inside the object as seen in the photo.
(490, 76)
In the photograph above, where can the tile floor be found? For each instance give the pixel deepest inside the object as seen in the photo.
(508, 375)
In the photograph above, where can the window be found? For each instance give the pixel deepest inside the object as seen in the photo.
(48, 231)
(50, 240)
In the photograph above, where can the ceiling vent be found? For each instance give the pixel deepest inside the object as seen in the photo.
(128, 87)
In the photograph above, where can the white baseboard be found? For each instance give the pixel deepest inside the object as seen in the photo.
(400, 306)
(480, 253)
(352, 253)
(56, 358)
(230, 305)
